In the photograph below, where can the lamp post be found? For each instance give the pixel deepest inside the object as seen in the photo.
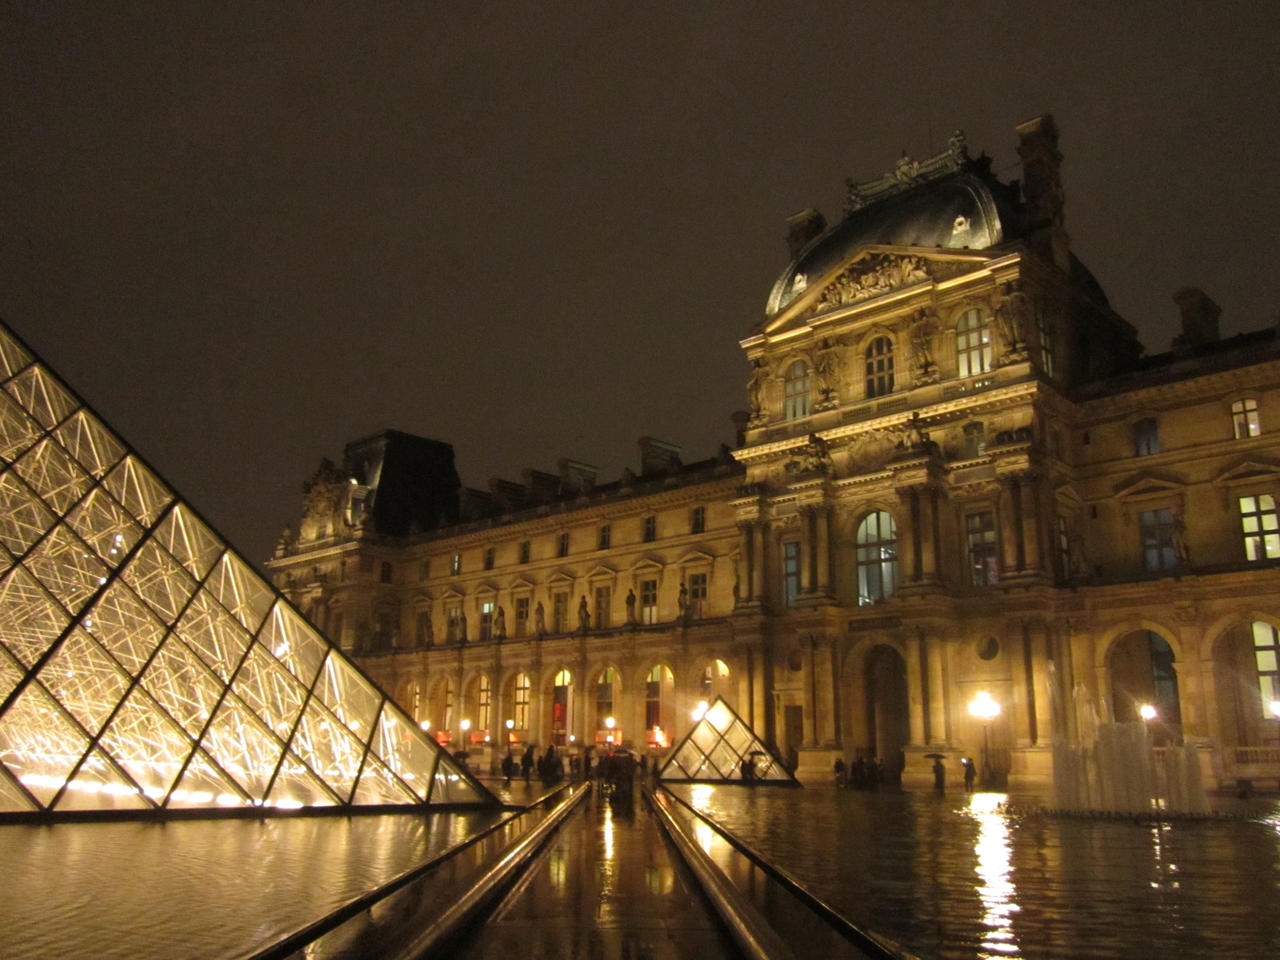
(609, 723)
(983, 707)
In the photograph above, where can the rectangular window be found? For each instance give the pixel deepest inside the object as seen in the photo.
(1261, 527)
(648, 601)
(453, 617)
(650, 529)
(698, 595)
(384, 573)
(604, 538)
(698, 520)
(488, 558)
(486, 619)
(424, 628)
(1146, 438)
(980, 531)
(562, 545)
(482, 704)
(790, 572)
(559, 612)
(524, 551)
(1156, 527)
(1266, 655)
(522, 616)
(455, 565)
(522, 702)
(424, 571)
(604, 595)
(1244, 419)
(1044, 334)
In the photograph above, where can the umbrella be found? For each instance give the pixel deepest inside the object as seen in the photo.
(759, 753)
(935, 756)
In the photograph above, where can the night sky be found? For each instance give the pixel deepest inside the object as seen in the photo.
(248, 234)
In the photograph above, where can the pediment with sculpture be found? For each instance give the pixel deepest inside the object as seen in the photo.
(876, 274)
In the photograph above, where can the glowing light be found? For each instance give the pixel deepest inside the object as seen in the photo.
(1147, 712)
(699, 711)
(1274, 707)
(610, 722)
(983, 706)
(466, 725)
(511, 724)
(425, 725)
(994, 868)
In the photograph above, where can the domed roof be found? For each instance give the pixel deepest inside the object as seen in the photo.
(963, 208)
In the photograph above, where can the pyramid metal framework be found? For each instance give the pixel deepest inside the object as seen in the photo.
(716, 749)
(145, 666)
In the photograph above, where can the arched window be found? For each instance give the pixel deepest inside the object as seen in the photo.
(561, 701)
(1266, 655)
(522, 701)
(877, 557)
(484, 694)
(796, 393)
(604, 696)
(879, 367)
(973, 343)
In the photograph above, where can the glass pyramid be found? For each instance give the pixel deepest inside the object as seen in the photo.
(145, 666)
(717, 749)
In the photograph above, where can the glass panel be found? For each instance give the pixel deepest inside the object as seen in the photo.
(203, 785)
(450, 787)
(380, 785)
(52, 474)
(183, 686)
(723, 759)
(404, 749)
(243, 747)
(350, 696)
(41, 395)
(192, 543)
(740, 738)
(296, 786)
(23, 518)
(146, 743)
(12, 799)
(66, 568)
(214, 634)
(142, 494)
(241, 591)
(719, 716)
(86, 681)
(329, 749)
(103, 524)
(159, 580)
(99, 785)
(39, 743)
(10, 674)
(267, 689)
(124, 625)
(92, 444)
(293, 643)
(12, 357)
(17, 430)
(30, 619)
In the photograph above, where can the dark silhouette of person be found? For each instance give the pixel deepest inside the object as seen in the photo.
(526, 763)
(970, 773)
(939, 776)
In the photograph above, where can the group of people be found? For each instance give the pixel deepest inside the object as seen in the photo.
(865, 773)
(550, 765)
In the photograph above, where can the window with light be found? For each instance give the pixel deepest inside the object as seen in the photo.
(1261, 527)
(1156, 529)
(980, 533)
(973, 343)
(795, 403)
(877, 557)
(879, 357)
(1266, 655)
(1244, 419)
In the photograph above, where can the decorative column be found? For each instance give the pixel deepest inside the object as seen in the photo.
(822, 518)
(907, 555)
(1040, 641)
(1010, 535)
(937, 693)
(807, 571)
(757, 562)
(927, 518)
(1030, 515)
(915, 689)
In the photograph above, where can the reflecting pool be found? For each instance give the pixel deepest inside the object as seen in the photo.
(200, 889)
(956, 877)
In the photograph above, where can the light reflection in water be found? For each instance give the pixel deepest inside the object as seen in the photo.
(556, 862)
(995, 871)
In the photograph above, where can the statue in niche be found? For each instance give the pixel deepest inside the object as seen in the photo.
(539, 620)
(1013, 316)
(922, 331)
(462, 628)
(584, 615)
(825, 364)
(817, 456)
(1181, 549)
(682, 601)
(500, 624)
(1077, 558)
(631, 606)
(755, 387)
(913, 438)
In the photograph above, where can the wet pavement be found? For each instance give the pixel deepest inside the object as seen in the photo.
(607, 886)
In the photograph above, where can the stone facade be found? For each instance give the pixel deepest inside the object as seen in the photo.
(958, 476)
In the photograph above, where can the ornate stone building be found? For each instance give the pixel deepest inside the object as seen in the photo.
(959, 483)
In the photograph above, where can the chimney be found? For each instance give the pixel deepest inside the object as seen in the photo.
(1199, 318)
(576, 476)
(658, 456)
(1042, 188)
(803, 227)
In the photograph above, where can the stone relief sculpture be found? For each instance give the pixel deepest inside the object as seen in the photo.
(755, 387)
(631, 606)
(539, 620)
(923, 329)
(500, 624)
(872, 278)
(1013, 316)
(584, 615)
(826, 364)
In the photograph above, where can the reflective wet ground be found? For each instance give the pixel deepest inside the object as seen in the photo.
(954, 877)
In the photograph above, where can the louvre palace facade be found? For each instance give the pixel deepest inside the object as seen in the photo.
(959, 484)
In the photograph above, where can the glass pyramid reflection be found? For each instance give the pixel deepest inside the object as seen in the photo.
(718, 748)
(145, 666)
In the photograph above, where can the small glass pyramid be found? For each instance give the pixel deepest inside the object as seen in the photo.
(722, 747)
(145, 666)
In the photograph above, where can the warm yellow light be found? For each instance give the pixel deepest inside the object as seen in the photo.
(466, 725)
(1274, 706)
(1147, 712)
(425, 724)
(511, 724)
(983, 706)
(699, 711)
(610, 722)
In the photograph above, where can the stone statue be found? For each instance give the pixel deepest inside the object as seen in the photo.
(913, 437)
(631, 606)
(462, 628)
(825, 363)
(682, 601)
(755, 387)
(1077, 558)
(539, 620)
(817, 457)
(500, 624)
(584, 615)
(1181, 549)
(1013, 315)
(922, 343)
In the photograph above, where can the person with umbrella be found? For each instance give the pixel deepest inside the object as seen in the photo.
(939, 771)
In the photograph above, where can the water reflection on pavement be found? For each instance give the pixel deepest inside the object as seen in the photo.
(956, 877)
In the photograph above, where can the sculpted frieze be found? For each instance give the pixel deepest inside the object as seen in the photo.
(880, 274)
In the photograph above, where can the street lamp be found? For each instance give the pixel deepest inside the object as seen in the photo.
(699, 711)
(465, 725)
(986, 709)
(1147, 712)
(609, 723)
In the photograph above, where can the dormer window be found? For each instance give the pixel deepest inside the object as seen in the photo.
(796, 391)
(879, 357)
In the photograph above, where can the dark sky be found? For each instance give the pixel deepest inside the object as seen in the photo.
(250, 233)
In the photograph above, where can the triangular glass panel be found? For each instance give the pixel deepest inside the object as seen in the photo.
(53, 475)
(98, 785)
(17, 430)
(85, 438)
(40, 744)
(721, 747)
(12, 357)
(124, 616)
(42, 396)
(192, 543)
(23, 518)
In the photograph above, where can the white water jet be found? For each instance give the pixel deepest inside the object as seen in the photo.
(1123, 772)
